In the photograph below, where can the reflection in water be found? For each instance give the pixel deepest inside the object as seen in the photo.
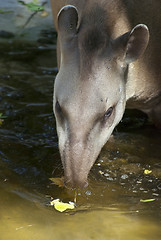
(110, 208)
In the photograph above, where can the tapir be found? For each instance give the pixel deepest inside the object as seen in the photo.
(104, 66)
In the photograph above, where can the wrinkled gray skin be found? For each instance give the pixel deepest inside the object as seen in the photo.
(92, 86)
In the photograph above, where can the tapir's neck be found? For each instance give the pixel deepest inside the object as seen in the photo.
(141, 93)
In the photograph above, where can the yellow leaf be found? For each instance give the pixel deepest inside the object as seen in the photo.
(44, 14)
(147, 171)
(60, 206)
(58, 181)
(147, 200)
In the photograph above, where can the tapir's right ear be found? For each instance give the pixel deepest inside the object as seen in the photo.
(67, 22)
(137, 42)
(133, 43)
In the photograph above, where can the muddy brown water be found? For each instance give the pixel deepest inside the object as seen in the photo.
(110, 207)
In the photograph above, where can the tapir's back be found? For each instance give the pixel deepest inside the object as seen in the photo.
(123, 16)
(148, 12)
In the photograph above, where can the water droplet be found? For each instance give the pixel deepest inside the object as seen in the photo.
(101, 172)
(159, 186)
(110, 178)
(145, 191)
(88, 193)
(155, 194)
(106, 174)
(124, 176)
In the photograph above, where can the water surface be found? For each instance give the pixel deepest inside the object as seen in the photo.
(110, 207)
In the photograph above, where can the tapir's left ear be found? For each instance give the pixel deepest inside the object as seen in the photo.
(67, 22)
(137, 42)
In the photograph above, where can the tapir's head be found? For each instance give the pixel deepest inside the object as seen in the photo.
(90, 89)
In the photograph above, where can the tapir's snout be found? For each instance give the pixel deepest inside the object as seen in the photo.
(75, 175)
(76, 168)
(75, 183)
(77, 159)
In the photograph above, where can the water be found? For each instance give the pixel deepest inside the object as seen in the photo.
(110, 207)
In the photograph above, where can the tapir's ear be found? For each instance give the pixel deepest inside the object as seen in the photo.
(137, 42)
(67, 21)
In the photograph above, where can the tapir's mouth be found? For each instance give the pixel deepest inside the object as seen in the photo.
(75, 183)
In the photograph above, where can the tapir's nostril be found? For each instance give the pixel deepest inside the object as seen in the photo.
(71, 184)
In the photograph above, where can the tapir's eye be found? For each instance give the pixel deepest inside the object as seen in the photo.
(108, 113)
(107, 117)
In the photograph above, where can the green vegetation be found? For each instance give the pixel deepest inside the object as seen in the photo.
(3, 11)
(33, 6)
(2, 117)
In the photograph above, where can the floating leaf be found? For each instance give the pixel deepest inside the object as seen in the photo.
(147, 200)
(60, 206)
(147, 171)
(58, 181)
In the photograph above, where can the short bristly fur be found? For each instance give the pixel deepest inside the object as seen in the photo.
(102, 70)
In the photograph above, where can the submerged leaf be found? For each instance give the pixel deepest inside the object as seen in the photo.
(60, 206)
(58, 181)
(147, 200)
